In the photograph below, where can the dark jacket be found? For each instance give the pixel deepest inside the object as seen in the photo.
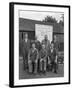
(25, 48)
(43, 53)
(52, 55)
(56, 46)
(37, 45)
(33, 55)
(47, 44)
(26, 45)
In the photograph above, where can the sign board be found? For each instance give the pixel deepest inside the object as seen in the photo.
(42, 30)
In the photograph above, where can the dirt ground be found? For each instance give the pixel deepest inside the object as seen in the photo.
(25, 75)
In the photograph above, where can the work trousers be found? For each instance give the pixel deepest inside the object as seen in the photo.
(32, 66)
(54, 66)
(42, 67)
(25, 60)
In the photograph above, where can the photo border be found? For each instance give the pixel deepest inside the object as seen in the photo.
(11, 42)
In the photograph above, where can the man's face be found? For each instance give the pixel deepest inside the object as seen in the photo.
(26, 35)
(33, 45)
(43, 46)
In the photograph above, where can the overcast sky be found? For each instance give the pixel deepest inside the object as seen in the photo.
(34, 15)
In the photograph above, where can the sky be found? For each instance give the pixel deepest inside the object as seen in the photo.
(35, 15)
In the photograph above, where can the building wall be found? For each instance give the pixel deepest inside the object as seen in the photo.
(26, 25)
(31, 36)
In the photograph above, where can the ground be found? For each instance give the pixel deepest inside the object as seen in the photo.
(24, 75)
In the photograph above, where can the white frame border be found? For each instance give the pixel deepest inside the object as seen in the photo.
(16, 45)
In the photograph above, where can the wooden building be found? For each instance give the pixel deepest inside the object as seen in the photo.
(28, 25)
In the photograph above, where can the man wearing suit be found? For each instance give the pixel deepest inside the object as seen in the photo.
(26, 47)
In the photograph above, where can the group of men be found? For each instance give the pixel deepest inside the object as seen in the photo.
(39, 56)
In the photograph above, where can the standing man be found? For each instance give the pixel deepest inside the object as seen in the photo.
(26, 47)
(53, 57)
(46, 42)
(56, 45)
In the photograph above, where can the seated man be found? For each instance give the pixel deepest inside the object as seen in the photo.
(33, 59)
(52, 58)
(43, 56)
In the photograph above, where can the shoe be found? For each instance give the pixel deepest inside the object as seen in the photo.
(55, 71)
(30, 73)
(44, 72)
(35, 72)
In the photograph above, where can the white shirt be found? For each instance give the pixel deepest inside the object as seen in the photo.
(26, 40)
